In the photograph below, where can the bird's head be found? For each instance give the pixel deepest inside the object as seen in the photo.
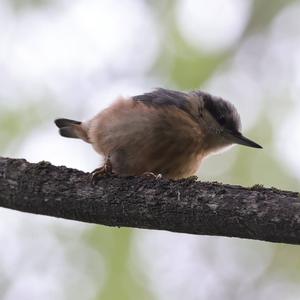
(221, 121)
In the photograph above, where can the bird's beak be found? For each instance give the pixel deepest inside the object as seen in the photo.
(238, 138)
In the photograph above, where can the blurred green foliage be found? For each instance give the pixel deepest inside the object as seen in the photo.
(18, 122)
(21, 5)
(114, 244)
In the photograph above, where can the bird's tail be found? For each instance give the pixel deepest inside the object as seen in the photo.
(71, 129)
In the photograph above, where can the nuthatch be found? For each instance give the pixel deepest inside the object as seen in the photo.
(163, 132)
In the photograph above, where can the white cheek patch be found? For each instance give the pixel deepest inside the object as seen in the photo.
(222, 149)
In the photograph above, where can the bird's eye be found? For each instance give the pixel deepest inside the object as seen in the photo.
(221, 120)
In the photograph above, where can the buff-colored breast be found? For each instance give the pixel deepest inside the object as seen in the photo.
(140, 138)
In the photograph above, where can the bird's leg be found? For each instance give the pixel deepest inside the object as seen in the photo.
(192, 178)
(105, 170)
(152, 175)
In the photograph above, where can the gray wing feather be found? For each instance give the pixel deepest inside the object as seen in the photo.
(164, 97)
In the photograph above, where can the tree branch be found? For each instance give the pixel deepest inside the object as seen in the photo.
(182, 206)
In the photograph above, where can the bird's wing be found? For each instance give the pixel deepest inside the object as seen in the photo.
(162, 97)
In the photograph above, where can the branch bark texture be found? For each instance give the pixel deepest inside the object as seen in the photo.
(181, 206)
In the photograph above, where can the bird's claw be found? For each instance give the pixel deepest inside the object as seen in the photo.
(192, 178)
(152, 175)
(105, 170)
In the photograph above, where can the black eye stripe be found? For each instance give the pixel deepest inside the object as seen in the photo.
(223, 112)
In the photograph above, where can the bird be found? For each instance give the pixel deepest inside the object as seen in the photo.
(164, 132)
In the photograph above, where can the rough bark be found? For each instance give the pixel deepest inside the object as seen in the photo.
(181, 206)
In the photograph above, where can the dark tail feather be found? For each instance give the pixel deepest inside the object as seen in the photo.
(71, 129)
(60, 123)
(68, 132)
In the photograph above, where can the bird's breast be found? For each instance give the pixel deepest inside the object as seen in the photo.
(140, 139)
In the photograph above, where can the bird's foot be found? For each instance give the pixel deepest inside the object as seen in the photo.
(152, 175)
(192, 178)
(105, 170)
